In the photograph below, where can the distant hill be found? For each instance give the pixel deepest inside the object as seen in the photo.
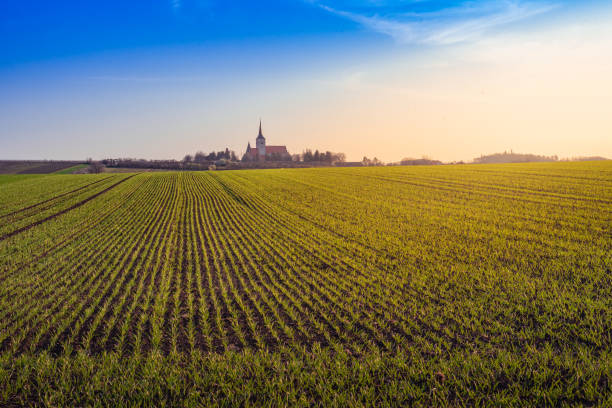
(34, 166)
(589, 158)
(419, 162)
(511, 157)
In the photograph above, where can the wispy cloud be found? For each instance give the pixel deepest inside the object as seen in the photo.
(115, 78)
(466, 22)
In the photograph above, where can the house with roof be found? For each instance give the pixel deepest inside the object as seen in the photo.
(263, 152)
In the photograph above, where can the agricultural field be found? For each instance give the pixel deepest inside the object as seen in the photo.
(38, 167)
(434, 285)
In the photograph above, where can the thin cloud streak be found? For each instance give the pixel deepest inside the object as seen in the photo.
(447, 26)
(143, 79)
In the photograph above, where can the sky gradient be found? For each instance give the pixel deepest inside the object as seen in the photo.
(388, 78)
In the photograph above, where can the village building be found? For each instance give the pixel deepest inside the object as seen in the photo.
(263, 152)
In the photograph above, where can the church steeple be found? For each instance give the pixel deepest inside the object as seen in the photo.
(260, 134)
(260, 143)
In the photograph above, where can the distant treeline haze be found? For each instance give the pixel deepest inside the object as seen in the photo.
(229, 159)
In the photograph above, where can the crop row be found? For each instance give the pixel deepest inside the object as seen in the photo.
(354, 260)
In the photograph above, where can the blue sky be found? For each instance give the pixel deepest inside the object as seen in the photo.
(40, 30)
(162, 78)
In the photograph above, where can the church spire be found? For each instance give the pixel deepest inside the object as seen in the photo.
(260, 135)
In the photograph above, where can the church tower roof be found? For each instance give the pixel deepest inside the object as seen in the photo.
(260, 135)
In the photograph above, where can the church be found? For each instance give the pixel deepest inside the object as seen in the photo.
(263, 152)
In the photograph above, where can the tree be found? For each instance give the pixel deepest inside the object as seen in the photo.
(187, 158)
(96, 167)
(307, 156)
(275, 157)
(199, 157)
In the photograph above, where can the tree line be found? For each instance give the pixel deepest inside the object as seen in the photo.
(308, 156)
(511, 157)
(201, 157)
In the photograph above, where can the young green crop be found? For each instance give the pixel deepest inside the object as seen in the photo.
(451, 283)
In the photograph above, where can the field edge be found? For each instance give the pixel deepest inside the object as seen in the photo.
(321, 377)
